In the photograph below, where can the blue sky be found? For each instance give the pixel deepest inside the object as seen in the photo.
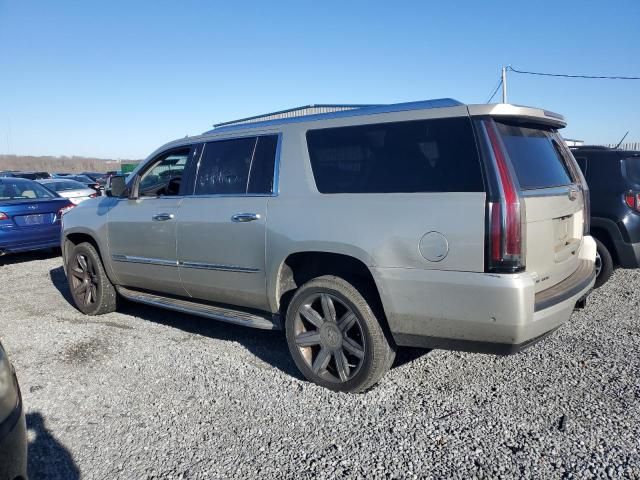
(116, 79)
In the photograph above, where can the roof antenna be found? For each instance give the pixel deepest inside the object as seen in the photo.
(622, 140)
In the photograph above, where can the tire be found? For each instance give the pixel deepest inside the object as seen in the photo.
(91, 290)
(335, 338)
(604, 264)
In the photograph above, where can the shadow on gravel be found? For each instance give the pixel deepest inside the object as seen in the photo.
(270, 347)
(14, 258)
(47, 457)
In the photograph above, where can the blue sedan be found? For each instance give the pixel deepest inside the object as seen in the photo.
(30, 216)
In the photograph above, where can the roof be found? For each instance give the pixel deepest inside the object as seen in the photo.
(328, 111)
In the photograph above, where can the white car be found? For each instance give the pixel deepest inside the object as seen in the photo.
(76, 192)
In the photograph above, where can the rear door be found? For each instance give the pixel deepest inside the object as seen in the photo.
(222, 224)
(554, 204)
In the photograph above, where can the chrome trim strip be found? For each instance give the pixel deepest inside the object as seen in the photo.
(357, 112)
(144, 260)
(175, 263)
(219, 267)
(550, 192)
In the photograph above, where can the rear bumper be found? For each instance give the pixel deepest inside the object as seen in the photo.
(30, 246)
(24, 240)
(478, 312)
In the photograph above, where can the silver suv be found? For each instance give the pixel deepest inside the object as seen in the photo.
(356, 229)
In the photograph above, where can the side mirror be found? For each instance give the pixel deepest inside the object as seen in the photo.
(116, 186)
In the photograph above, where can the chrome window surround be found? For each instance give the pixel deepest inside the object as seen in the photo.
(176, 263)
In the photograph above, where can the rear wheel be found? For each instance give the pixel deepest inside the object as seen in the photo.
(92, 291)
(604, 264)
(334, 336)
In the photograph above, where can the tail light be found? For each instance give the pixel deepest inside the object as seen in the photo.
(4, 216)
(64, 210)
(632, 199)
(93, 195)
(505, 212)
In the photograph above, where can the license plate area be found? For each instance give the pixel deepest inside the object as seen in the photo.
(36, 219)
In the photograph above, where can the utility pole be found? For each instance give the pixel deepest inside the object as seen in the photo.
(504, 84)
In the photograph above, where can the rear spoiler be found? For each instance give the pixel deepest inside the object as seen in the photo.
(517, 112)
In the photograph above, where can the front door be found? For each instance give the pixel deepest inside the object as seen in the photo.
(222, 225)
(142, 231)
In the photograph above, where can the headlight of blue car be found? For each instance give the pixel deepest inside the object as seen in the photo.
(8, 387)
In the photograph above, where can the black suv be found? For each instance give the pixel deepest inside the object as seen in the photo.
(613, 176)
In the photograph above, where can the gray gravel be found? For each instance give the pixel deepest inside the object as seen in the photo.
(146, 393)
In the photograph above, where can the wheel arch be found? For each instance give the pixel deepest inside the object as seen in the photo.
(76, 236)
(301, 266)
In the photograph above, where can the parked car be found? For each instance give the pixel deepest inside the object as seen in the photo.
(32, 175)
(613, 176)
(87, 182)
(92, 175)
(427, 224)
(30, 216)
(13, 431)
(76, 192)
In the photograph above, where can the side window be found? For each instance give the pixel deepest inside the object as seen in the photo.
(237, 167)
(164, 176)
(261, 175)
(582, 163)
(418, 156)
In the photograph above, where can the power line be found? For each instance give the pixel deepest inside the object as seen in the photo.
(564, 75)
(495, 91)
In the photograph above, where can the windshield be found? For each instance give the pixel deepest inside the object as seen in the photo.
(535, 156)
(64, 185)
(632, 169)
(22, 190)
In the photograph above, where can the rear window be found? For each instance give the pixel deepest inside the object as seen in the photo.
(65, 185)
(535, 156)
(418, 156)
(632, 169)
(20, 190)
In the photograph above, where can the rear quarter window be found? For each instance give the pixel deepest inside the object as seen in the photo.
(632, 169)
(534, 156)
(404, 157)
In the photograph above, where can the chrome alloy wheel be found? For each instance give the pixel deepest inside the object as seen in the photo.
(598, 264)
(329, 337)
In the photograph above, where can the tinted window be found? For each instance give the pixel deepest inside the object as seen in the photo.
(238, 166)
(418, 156)
(632, 169)
(262, 167)
(582, 163)
(18, 190)
(535, 158)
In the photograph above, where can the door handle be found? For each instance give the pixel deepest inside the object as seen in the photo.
(162, 217)
(245, 217)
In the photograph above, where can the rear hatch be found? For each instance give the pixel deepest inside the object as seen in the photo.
(554, 213)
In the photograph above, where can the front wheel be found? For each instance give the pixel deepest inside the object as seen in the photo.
(334, 336)
(92, 291)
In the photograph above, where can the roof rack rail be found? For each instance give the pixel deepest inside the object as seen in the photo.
(327, 111)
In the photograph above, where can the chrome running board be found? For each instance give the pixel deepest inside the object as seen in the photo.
(238, 317)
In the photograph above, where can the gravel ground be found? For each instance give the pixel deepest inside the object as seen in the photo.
(146, 393)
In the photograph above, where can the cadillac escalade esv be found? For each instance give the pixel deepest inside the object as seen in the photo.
(356, 229)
